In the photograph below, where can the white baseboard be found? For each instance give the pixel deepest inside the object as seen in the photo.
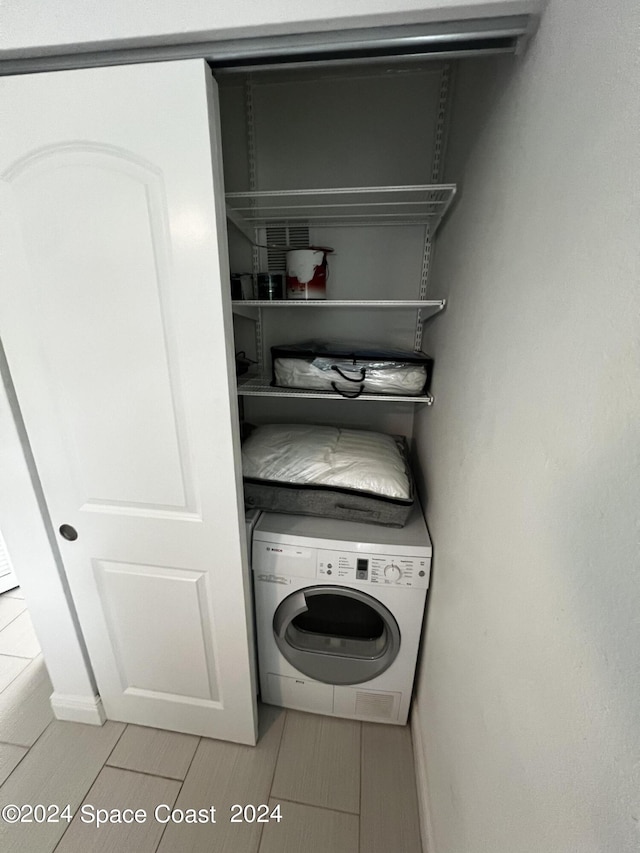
(422, 783)
(78, 709)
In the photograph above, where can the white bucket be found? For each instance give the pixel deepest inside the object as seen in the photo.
(307, 273)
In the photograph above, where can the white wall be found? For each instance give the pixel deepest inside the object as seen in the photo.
(528, 704)
(31, 26)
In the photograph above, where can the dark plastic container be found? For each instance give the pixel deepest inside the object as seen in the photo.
(270, 285)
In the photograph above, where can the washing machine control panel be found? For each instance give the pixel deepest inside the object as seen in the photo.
(378, 569)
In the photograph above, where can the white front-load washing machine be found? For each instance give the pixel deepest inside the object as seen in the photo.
(339, 611)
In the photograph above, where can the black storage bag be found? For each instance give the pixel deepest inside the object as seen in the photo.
(351, 371)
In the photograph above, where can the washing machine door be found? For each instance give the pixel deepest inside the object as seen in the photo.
(336, 635)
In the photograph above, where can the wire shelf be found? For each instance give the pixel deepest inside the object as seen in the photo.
(255, 386)
(427, 307)
(435, 304)
(423, 204)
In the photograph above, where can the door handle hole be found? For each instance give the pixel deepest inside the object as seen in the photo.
(68, 532)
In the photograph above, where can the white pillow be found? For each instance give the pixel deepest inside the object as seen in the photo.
(328, 456)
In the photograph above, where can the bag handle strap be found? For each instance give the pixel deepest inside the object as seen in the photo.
(363, 374)
(344, 393)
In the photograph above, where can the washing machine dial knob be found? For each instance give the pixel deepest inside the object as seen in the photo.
(392, 572)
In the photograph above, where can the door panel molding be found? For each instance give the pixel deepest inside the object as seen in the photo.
(161, 629)
(35, 178)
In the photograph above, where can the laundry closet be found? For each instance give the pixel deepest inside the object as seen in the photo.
(122, 337)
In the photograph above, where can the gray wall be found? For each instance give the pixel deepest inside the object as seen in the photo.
(528, 704)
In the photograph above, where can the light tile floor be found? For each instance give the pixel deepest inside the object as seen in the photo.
(341, 786)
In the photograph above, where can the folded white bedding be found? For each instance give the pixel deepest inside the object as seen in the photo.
(318, 455)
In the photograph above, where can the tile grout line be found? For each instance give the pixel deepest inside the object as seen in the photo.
(23, 745)
(4, 628)
(164, 829)
(360, 728)
(126, 726)
(11, 621)
(273, 775)
(7, 655)
(28, 748)
(93, 781)
(361, 777)
(275, 763)
(315, 806)
(146, 772)
(21, 657)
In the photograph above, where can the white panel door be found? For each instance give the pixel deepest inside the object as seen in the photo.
(115, 317)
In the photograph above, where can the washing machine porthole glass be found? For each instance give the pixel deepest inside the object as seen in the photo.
(336, 635)
(338, 616)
